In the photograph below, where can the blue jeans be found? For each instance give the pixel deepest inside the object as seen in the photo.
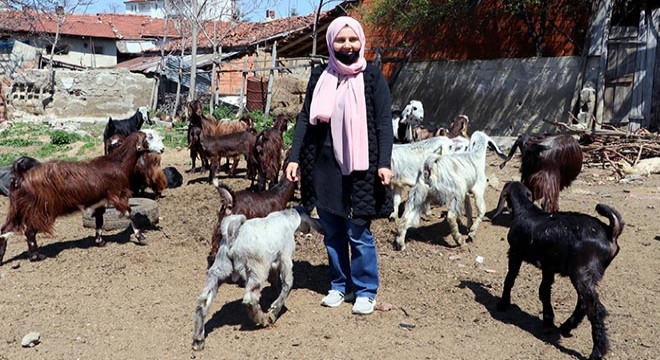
(359, 273)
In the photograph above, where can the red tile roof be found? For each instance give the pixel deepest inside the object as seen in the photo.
(114, 26)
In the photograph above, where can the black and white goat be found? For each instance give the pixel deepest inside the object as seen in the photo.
(448, 179)
(127, 126)
(402, 126)
(568, 243)
(253, 250)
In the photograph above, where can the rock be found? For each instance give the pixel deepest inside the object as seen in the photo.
(31, 339)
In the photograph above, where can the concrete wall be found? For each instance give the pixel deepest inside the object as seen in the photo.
(91, 95)
(501, 97)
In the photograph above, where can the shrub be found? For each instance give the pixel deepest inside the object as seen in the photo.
(61, 137)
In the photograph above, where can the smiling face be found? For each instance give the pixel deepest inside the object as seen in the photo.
(347, 41)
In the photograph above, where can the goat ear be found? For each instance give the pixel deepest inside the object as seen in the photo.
(502, 203)
(231, 225)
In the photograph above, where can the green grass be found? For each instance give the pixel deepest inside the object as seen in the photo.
(19, 142)
(87, 146)
(50, 150)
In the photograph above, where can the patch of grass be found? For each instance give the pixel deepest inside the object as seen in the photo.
(61, 137)
(177, 137)
(49, 150)
(86, 146)
(19, 142)
(21, 129)
(224, 112)
(8, 159)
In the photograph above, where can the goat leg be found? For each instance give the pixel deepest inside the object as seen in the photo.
(514, 268)
(574, 320)
(286, 281)
(98, 218)
(396, 198)
(453, 224)
(33, 249)
(596, 314)
(136, 230)
(251, 300)
(481, 211)
(3, 246)
(213, 281)
(545, 291)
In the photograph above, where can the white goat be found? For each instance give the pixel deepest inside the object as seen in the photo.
(252, 250)
(408, 159)
(412, 115)
(448, 178)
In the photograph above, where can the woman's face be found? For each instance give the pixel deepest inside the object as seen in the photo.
(347, 41)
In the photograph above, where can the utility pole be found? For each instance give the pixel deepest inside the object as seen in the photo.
(193, 51)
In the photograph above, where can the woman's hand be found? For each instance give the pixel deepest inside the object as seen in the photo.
(385, 175)
(292, 172)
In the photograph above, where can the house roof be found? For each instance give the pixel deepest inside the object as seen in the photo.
(113, 26)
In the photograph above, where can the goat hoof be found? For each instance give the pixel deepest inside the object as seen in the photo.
(549, 329)
(141, 240)
(100, 242)
(37, 257)
(565, 331)
(596, 355)
(399, 246)
(198, 345)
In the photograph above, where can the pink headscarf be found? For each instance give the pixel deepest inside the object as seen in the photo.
(344, 104)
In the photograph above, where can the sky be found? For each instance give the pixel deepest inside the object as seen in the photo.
(303, 7)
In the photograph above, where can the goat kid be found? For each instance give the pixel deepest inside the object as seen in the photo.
(568, 243)
(402, 126)
(55, 188)
(448, 179)
(408, 159)
(549, 164)
(253, 250)
(249, 203)
(267, 153)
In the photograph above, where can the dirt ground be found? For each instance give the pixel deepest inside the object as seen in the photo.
(127, 301)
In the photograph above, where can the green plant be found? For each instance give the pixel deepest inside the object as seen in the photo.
(86, 146)
(224, 112)
(175, 138)
(49, 150)
(261, 120)
(19, 142)
(21, 129)
(61, 137)
(9, 158)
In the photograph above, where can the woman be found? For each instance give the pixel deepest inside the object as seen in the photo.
(343, 145)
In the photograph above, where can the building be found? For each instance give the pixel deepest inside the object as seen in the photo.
(213, 10)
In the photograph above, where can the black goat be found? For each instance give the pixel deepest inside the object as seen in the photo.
(549, 164)
(126, 126)
(572, 244)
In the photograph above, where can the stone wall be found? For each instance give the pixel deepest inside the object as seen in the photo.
(501, 97)
(89, 95)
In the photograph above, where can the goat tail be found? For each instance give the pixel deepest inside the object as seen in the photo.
(616, 221)
(307, 222)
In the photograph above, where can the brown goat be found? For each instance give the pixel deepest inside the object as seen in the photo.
(147, 173)
(231, 145)
(549, 164)
(459, 127)
(267, 154)
(52, 189)
(249, 203)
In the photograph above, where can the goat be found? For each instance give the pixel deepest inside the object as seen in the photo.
(448, 179)
(549, 164)
(459, 127)
(127, 126)
(147, 172)
(402, 126)
(253, 250)
(231, 145)
(267, 153)
(207, 126)
(407, 159)
(251, 204)
(55, 188)
(568, 243)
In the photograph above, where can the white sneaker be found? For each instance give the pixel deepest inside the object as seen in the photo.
(333, 299)
(364, 305)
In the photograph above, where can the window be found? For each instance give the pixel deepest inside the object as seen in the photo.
(60, 49)
(98, 49)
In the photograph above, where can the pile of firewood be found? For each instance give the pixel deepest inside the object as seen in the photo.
(611, 147)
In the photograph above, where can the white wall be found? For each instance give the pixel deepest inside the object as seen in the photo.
(215, 9)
